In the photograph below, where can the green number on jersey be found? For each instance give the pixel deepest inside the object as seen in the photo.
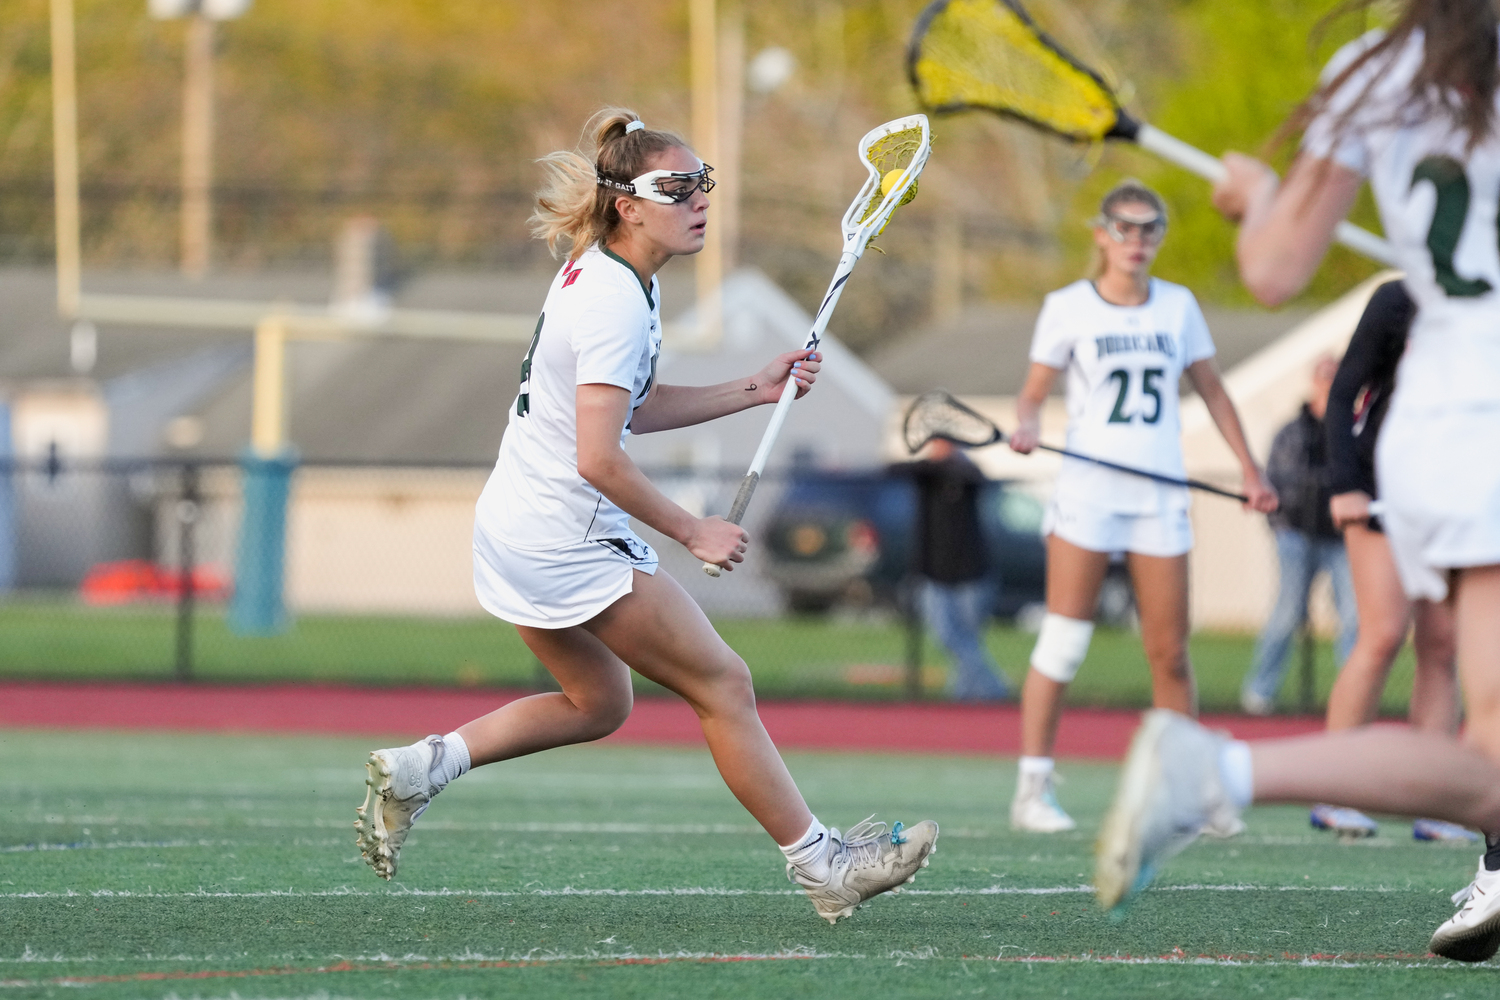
(1451, 184)
(1150, 388)
(1117, 415)
(523, 401)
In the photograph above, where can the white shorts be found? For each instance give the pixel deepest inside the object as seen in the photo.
(557, 587)
(1165, 533)
(1439, 478)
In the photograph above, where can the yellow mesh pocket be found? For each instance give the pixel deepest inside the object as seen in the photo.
(985, 54)
(893, 151)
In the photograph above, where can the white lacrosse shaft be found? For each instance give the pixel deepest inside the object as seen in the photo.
(866, 218)
(847, 260)
(1211, 168)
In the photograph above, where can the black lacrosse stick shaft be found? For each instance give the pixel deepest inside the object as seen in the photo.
(1196, 484)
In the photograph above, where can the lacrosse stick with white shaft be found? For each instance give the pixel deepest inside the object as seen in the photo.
(894, 155)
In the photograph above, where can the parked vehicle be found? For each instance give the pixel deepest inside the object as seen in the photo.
(847, 537)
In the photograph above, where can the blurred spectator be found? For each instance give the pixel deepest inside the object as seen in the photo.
(1307, 543)
(956, 597)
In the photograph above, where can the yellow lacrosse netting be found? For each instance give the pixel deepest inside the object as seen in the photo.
(986, 54)
(892, 151)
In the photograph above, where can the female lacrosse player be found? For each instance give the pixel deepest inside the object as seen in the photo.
(554, 552)
(1413, 108)
(1357, 404)
(1125, 339)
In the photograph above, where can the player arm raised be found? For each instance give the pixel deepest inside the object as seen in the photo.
(1285, 229)
(1205, 380)
(602, 412)
(1028, 432)
(670, 406)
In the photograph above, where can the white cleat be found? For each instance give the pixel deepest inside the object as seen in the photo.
(1473, 933)
(1035, 809)
(398, 790)
(866, 862)
(1169, 793)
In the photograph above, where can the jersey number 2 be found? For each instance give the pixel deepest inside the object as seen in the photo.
(1451, 184)
(1148, 388)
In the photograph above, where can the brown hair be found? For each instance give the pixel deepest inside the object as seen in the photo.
(573, 210)
(1460, 68)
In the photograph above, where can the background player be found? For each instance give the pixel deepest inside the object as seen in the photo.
(554, 552)
(1415, 110)
(1125, 339)
(1357, 404)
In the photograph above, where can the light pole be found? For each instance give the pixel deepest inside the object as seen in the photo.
(198, 121)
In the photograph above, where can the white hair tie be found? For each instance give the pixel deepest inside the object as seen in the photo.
(634, 126)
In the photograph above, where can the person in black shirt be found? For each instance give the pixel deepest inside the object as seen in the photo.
(1306, 543)
(1356, 406)
(952, 561)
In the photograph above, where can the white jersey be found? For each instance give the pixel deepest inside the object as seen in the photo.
(1123, 365)
(600, 324)
(1438, 202)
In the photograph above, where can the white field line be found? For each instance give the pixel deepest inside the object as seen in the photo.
(569, 827)
(540, 956)
(993, 890)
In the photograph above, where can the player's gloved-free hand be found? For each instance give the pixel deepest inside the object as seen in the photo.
(1248, 183)
(1260, 495)
(717, 541)
(1024, 438)
(770, 381)
(1349, 508)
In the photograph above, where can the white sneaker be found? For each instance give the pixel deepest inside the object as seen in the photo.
(866, 862)
(1169, 792)
(1035, 809)
(399, 789)
(1473, 933)
(1254, 703)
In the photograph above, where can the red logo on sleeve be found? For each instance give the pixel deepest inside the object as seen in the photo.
(571, 274)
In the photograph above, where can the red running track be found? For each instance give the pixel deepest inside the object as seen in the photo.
(410, 713)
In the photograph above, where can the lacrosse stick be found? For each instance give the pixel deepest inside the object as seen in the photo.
(938, 415)
(990, 55)
(894, 155)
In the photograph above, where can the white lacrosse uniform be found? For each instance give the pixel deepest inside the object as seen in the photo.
(1123, 365)
(550, 550)
(1436, 460)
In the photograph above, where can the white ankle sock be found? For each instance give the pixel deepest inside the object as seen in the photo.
(450, 758)
(1040, 766)
(1236, 773)
(809, 852)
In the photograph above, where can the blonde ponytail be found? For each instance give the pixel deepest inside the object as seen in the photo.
(573, 211)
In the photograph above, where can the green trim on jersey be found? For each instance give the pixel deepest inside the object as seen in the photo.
(645, 285)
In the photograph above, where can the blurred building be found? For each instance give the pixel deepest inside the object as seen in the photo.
(396, 436)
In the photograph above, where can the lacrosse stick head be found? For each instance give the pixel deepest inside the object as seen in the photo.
(990, 55)
(937, 414)
(894, 155)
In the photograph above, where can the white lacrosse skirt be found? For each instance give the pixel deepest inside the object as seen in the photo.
(559, 586)
(1168, 531)
(1439, 477)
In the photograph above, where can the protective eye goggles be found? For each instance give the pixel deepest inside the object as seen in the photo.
(1121, 230)
(665, 187)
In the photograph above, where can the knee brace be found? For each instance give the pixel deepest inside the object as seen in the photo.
(1060, 647)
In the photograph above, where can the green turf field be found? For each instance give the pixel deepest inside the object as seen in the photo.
(790, 657)
(202, 866)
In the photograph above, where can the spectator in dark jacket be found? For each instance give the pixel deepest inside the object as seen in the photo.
(1306, 543)
(951, 560)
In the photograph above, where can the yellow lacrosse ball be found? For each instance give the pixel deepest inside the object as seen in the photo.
(893, 178)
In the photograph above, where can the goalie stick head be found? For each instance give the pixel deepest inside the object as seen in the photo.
(937, 414)
(990, 55)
